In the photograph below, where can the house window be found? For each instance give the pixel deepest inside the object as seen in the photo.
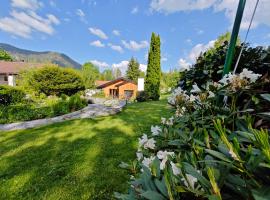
(5, 78)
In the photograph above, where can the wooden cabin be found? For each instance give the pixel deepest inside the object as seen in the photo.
(120, 88)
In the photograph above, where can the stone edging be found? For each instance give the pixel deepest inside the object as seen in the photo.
(91, 111)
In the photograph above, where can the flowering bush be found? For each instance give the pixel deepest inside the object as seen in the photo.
(216, 146)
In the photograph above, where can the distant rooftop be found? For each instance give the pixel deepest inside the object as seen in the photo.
(7, 67)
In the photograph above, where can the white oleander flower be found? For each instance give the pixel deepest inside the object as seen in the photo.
(211, 94)
(190, 180)
(139, 156)
(249, 75)
(147, 161)
(192, 98)
(175, 169)
(163, 156)
(156, 130)
(170, 121)
(163, 120)
(147, 143)
(195, 89)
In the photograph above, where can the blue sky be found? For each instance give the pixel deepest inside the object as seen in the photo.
(109, 32)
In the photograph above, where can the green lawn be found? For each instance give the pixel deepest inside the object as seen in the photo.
(76, 159)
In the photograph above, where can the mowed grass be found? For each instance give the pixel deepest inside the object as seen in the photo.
(76, 159)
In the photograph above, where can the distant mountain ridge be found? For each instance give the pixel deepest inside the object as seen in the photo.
(39, 57)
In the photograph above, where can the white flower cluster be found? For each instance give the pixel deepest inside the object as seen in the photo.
(156, 130)
(147, 143)
(163, 156)
(239, 81)
(168, 122)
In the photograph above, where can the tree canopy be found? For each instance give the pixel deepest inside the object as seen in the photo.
(5, 55)
(90, 73)
(133, 71)
(54, 80)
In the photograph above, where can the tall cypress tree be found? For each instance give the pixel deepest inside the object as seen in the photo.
(153, 74)
(133, 71)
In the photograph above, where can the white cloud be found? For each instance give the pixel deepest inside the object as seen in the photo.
(135, 46)
(143, 67)
(200, 32)
(197, 49)
(97, 43)
(262, 15)
(23, 24)
(99, 64)
(36, 22)
(135, 10)
(26, 4)
(116, 48)
(98, 32)
(189, 41)
(164, 59)
(183, 64)
(123, 66)
(116, 32)
(80, 13)
(170, 6)
(228, 6)
(15, 27)
(53, 19)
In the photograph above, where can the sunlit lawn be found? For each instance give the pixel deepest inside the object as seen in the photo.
(76, 159)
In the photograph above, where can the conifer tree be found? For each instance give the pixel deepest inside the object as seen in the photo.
(133, 71)
(153, 74)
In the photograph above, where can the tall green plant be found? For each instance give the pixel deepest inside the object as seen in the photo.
(153, 74)
(133, 71)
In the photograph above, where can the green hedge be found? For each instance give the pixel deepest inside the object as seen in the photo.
(31, 111)
(11, 95)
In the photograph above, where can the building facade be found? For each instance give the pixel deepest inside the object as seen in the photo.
(120, 88)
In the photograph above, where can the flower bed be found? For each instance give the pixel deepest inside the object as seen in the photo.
(216, 146)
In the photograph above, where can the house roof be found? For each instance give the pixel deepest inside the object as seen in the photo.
(98, 82)
(115, 81)
(7, 67)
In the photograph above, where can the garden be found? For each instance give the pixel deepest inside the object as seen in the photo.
(216, 145)
(42, 93)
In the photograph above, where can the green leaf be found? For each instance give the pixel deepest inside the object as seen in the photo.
(261, 194)
(218, 155)
(151, 195)
(214, 197)
(161, 186)
(192, 171)
(266, 96)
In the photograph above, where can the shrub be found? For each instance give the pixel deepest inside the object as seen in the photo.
(10, 95)
(53, 80)
(207, 150)
(75, 102)
(142, 96)
(51, 107)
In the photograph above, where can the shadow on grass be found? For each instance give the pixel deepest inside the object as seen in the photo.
(75, 159)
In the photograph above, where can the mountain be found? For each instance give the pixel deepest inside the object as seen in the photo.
(39, 57)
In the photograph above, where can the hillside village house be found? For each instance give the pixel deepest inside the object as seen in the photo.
(120, 88)
(9, 71)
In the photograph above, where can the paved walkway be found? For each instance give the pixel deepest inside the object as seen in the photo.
(91, 111)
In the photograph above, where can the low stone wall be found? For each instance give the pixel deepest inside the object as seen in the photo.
(91, 111)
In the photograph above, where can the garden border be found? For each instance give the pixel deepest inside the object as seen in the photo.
(90, 111)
